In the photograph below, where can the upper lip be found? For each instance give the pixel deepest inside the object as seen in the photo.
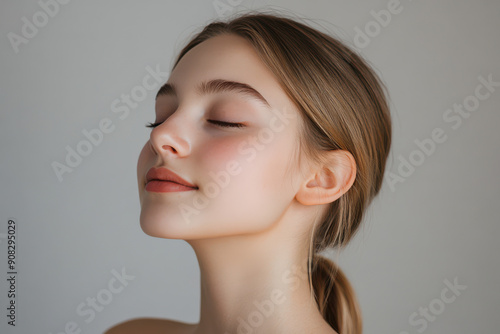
(164, 174)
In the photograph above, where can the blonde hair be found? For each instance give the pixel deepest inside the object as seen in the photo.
(343, 106)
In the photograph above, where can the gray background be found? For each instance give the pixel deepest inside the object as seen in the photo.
(439, 224)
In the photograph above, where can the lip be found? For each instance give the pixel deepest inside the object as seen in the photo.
(158, 186)
(164, 180)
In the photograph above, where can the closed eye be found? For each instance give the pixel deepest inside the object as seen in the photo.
(218, 123)
(153, 125)
(226, 124)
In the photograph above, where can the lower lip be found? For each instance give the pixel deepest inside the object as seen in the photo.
(166, 187)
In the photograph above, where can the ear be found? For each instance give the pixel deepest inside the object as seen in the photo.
(330, 180)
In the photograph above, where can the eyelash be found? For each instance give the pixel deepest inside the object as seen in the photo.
(152, 125)
(226, 124)
(218, 123)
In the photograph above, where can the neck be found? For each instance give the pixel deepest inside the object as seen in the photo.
(255, 283)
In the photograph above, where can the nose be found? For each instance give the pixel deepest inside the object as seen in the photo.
(170, 138)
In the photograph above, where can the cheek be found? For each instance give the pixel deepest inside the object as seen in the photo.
(275, 166)
(262, 164)
(142, 160)
(239, 169)
(217, 155)
(142, 164)
(255, 170)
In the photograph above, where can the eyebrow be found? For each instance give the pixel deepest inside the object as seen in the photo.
(218, 86)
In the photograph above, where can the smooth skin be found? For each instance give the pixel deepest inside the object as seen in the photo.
(250, 238)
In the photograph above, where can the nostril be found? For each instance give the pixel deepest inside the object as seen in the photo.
(167, 147)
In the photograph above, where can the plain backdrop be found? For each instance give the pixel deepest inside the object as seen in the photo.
(436, 225)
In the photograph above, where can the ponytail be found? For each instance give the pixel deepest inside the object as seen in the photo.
(335, 297)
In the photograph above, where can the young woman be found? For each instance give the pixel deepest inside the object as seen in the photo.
(270, 141)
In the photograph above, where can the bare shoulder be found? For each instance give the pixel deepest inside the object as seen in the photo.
(150, 326)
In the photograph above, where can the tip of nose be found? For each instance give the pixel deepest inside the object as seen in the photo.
(164, 143)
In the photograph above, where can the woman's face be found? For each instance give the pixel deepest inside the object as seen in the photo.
(240, 173)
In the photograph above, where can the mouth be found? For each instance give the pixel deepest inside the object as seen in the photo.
(164, 180)
(163, 186)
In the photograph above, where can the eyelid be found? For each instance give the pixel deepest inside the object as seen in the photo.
(153, 125)
(226, 124)
(218, 123)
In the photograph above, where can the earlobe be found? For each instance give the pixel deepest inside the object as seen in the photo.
(329, 181)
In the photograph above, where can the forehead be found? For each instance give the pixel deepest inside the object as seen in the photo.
(228, 57)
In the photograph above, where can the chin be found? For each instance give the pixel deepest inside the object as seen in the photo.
(164, 225)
